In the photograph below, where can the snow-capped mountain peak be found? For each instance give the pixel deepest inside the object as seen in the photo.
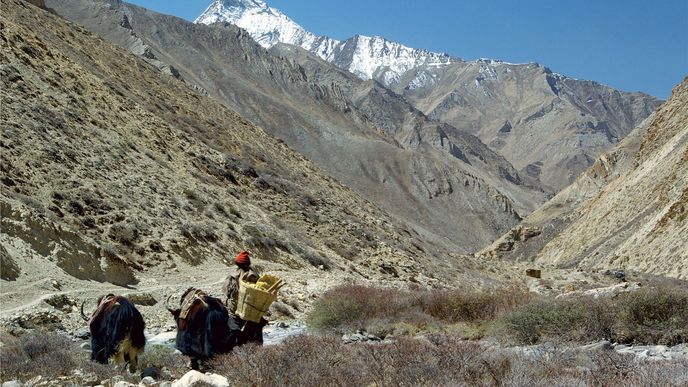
(268, 26)
(367, 57)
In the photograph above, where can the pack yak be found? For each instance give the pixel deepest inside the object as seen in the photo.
(116, 331)
(202, 326)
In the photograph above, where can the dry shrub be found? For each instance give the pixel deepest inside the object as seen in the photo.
(124, 233)
(36, 353)
(437, 360)
(52, 355)
(353, 306)
(161, 356)
(345, 250)
(580, 319)
(653, 315)
(386, 310)
(317, 260)
(203, 232)
(454, 306)
(646, 316)
(299, 360)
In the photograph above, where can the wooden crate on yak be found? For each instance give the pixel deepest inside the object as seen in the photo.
(255, 299)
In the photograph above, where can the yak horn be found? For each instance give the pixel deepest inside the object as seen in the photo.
(167, 304)
(82, 311)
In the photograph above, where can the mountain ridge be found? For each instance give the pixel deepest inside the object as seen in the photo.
(484, 97)
(367, 57)
(343, 123)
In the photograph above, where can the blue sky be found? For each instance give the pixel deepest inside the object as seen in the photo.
(631, 45)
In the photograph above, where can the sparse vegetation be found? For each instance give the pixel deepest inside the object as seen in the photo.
(195, 199)
(163, 357)
(199, 231)
(124, 233)
(437, 360)
(317, 260)
(36, 353)
(648, 316)
(348, 251)
(658, 315)
(354, 307)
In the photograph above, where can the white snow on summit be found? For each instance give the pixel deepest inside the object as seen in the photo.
(268, 26)
(373, 54)
(366, 57)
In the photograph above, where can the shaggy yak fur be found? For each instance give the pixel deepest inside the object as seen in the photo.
(116, 331)
(202, 326)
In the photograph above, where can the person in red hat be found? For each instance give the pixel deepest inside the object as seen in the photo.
(242, 331)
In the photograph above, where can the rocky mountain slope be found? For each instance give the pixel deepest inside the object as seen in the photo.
(114, 173)
(550, 127)
(628, 210)
(449, 185)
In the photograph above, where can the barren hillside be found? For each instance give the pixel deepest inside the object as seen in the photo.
(113, 172)
(628, 210)
(445, 183)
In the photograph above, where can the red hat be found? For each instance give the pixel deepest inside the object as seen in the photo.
(242, 259)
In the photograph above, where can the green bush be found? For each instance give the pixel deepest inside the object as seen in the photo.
(653, 315)
(455, 306)
(646, 316)
(576, 319)
(352, 306)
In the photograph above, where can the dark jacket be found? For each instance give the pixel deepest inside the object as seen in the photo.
(231, 286)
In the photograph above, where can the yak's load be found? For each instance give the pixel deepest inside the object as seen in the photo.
(255, 298)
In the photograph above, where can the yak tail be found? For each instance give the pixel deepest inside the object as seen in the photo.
(138, 339)
(217, 332)
(124, 322)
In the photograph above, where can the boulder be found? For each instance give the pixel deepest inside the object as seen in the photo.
(150, 372)
(147, 381)
(195, 378)
(535, 273)
(61, 301)
(616, 273)
(9, 270)
(144, 299)
(360, 336)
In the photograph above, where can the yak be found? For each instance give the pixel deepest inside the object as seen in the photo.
(202, 327)
(116, 331)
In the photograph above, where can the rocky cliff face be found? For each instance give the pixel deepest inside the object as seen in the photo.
(446, 183)
(115, 172)
(548, 126)
(628, 210)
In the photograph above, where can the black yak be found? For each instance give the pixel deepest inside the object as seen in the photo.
(202, 326)
(116, 331)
